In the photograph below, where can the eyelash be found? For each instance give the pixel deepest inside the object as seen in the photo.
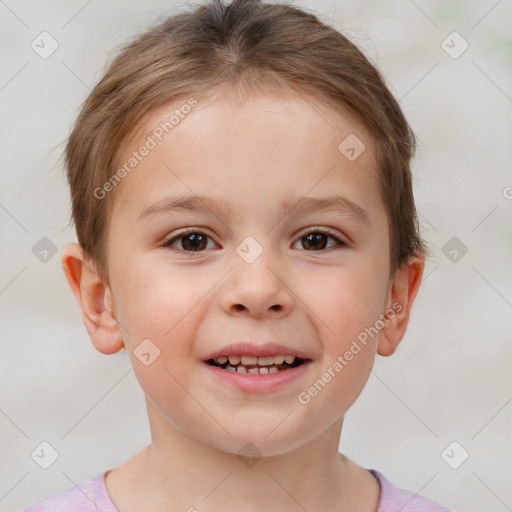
(323, 231)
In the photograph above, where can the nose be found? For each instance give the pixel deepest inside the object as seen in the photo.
(256, 290)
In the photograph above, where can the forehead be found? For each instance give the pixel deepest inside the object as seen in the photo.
(264, 143)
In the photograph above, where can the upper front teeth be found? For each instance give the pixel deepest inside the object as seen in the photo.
(253, 360)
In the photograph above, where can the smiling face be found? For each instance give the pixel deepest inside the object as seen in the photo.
(212, 242)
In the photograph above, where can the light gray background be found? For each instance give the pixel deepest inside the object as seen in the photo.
(449, 381)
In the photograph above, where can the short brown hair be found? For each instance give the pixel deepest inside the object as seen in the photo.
(215, 46)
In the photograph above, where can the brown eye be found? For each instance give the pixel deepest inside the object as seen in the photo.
(192, 241)
(317, 240)
(314, 241)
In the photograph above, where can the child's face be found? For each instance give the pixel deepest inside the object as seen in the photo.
(309, 294)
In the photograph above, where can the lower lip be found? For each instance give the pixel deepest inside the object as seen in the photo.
(258, 383)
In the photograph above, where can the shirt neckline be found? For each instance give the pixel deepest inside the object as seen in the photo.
(100, 488)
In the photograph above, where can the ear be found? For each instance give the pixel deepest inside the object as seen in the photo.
(94, 298)
(402, 292)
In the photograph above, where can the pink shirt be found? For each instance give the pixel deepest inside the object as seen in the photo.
(92, 496)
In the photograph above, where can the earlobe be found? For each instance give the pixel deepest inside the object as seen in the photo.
(402, 293)
(94, 298)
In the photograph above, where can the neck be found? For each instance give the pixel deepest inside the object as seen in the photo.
(179, 472)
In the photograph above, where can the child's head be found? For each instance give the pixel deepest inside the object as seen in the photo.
(216, 49)
(238, 114)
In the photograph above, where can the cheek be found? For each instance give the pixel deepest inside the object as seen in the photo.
(156, 302)
(346, 310)
(161, 320)
(346, 300)
(347, 304)
(165, 306)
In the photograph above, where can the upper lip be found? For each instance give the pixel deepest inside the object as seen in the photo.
(257, 349)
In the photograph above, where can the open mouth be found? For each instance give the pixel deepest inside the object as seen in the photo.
(256, 365)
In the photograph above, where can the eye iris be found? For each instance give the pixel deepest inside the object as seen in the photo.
(312, 240)
(197, 241)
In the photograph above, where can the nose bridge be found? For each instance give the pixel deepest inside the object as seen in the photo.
(255, 286)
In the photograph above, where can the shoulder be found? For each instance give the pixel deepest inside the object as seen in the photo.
(89, 496)
(393, 499)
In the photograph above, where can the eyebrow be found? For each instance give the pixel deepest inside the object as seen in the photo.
(190, 203)
(304, 204)
(337, 204)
